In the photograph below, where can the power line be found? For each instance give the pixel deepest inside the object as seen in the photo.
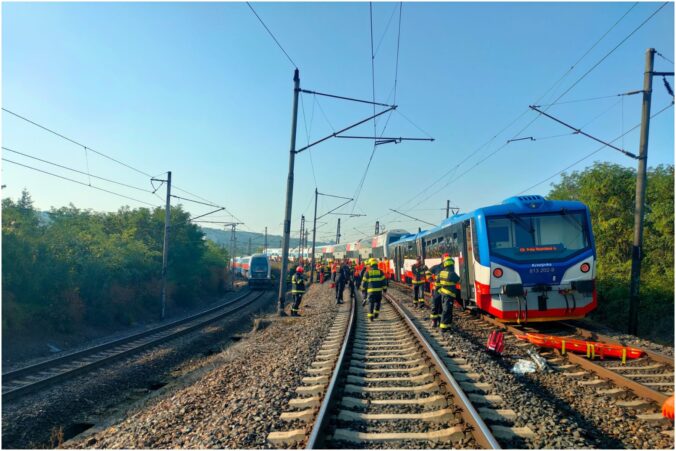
(78, 182)
(453, 169)
(76, 170)
(664, 57)
(75, 142)
(387, 27)
(595, 151)
(307, 133)
(271, 35)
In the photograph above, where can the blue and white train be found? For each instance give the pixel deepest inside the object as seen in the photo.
(527, 259)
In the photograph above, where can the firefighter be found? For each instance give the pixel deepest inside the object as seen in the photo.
(350, 280)
(418, 269)
(334, 270)
(357, 272)
(327, 271)
(297, 290)
(448, 286)
(318, 270)
(373, 286)
(342, 277)
(289, 276)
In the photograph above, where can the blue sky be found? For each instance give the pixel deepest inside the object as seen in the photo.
(202, 90)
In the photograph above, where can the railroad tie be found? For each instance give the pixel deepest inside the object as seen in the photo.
(434, 416)
(453, 434)
(509, 433)
(635, 404)
(612, 392)
(652, 418)
(497, 414)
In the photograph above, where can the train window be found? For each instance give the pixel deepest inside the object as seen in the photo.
(475, 243)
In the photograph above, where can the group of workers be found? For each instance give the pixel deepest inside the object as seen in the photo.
(371, 277)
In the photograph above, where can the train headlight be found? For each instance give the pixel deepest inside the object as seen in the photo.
(497, 273)
(584, 267)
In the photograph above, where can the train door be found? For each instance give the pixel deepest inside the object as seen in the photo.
(398, 262)
(469, 243)
(466, 268)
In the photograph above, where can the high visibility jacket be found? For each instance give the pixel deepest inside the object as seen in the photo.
(373, 281)
(334, 268)
(327, 269)
(297, 284)
(290, 274)
(429, 276)
(358, 269)
(418, 271)
(449, 283)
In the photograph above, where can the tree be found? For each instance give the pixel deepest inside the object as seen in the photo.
(609, 192)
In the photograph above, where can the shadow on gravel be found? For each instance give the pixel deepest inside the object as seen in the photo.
(596, 437)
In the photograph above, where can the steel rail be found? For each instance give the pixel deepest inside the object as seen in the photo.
(639, 389)
(329, 396)
(482, 434)
(88, 366)
(27, 370)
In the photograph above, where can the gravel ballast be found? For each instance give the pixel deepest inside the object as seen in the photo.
(563, 413)
(48, 416)
(238, 402)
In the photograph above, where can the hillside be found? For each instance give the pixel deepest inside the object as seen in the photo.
(222, 238)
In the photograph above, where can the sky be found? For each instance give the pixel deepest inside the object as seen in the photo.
(202, 90)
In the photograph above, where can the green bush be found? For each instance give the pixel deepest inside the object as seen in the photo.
(73, 267)
(609, 191)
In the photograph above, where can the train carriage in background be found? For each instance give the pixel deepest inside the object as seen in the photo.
(527, 259)
(258, 274)
(244, 266)
(339, 251)
(378, 246)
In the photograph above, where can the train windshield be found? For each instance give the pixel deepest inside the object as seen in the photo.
(259, 264)
(537, 237)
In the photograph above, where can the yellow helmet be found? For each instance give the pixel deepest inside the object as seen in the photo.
(373, 261)
(448, 262)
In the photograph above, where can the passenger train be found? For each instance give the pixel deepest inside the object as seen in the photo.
(256, 269)
(527, 259)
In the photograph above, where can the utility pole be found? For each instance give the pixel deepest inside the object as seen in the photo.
(314, 238)
(233, 249)
(448, 207)
(300, 237)
(165, 246)
(641, 181)
(289, 195)
(377, 227)
(266, 241)
(338, 232)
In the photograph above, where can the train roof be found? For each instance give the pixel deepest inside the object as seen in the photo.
(516, 204)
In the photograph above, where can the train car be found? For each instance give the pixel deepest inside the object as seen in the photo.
(351, 251)
(378, 246)
(244, 266)
(259, 271)
(339, 251)
(237, 266)
(527, 259)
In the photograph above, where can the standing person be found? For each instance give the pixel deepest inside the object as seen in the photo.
(418, 269)
(362, 273)
(350, 279)
(373, 283)
(334, 270)
(327, 271)
(448, 286)
(318, 271)
(297, 290)
(342, 277)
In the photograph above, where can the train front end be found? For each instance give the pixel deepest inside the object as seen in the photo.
(537, 260)
(259, 272)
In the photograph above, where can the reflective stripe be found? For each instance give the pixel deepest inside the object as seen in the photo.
(432, 316)
(444, 326)
(376, 311)
(374, 290)
(370, 315)
(297, 291)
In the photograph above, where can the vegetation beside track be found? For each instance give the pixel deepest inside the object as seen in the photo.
(609, 192)
(73, 268)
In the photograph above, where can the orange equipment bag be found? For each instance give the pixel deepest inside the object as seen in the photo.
(496, 342)
(668, 408)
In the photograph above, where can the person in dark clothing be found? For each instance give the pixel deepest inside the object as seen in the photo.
(448, 287)
(342, 279)
(363, 271)
(419, 270)
(297, 290)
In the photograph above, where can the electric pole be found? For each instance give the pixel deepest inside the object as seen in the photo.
(300, 237)
(233, 249)
(266, 241)
(289, 195)
(448, 207)
(641, 179)
(338, 232)
(314, 237)
(165, 246)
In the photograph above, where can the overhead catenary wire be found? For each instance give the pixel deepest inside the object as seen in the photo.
(60, 135)
(76, 170)
(526, 111)
(595, 151)
(79, 182)
(271, 35)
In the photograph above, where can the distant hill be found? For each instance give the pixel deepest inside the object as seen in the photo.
(222, 237)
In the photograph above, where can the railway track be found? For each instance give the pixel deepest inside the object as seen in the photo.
(381, 384)
(31, 378)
